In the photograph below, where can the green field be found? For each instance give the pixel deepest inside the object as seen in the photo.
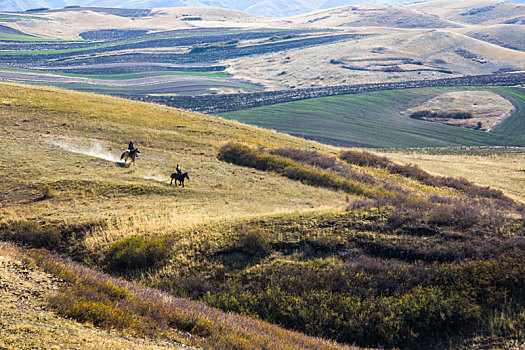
(14, 18)
(121, 76)
(19, 37)
(374, 120)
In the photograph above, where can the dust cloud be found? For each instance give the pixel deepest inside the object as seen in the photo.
(94, 149)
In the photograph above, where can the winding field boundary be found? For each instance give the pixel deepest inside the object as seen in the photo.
(211, 104)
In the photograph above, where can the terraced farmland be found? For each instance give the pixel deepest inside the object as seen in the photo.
(182, 62)
(374, 119)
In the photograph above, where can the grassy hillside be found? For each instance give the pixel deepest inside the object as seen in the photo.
(341, 245)
(374, 120)
(489, 166)
(27, 322)
(56, 177)
(469, 12)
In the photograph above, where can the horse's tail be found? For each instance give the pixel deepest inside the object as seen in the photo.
(122, 156)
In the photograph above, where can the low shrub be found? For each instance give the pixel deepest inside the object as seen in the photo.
(364, 158)
(428, 114)
(137, 252)
(413, 171)
(322, 161)
(47, 192)
(246, 156)
(191, 323)
(33, 234)
(254, 242)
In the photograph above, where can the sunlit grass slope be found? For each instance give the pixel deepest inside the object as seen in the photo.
(503, 168)
(46, 130)
(343, 245)
(61, 180)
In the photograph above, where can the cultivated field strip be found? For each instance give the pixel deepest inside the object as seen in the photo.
(233, 102)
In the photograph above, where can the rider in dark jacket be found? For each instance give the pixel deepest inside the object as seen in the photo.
(178, 169)
(130, 146)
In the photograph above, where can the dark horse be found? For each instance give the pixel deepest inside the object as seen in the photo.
(130, 155)
(179, 177)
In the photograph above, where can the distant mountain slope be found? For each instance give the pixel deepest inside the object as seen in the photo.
(475, 12)
(372, 15)
(268, 8)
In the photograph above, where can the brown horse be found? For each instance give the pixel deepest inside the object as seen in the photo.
(130, 155)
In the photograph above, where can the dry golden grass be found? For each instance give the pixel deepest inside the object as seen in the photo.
(504, 171)
(45, 129)
(27, 323)
(59, 167)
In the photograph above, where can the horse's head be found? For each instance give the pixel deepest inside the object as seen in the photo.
(185, 175)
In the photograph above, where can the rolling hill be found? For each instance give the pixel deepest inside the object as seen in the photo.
(349, 45)
(276, 241)
(268, 8)
(338, 244)
(77, 140)
(485, 12)
(164, 55)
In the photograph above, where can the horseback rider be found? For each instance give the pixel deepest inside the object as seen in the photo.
(178, 169)
(130, 146)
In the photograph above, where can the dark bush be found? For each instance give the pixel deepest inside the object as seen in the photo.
(426, 114)
(364, 158)
(137, 252)
(322, 161)
(254, 242)
(30, 233)
(246, 156)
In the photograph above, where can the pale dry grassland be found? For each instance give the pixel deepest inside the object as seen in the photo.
(405, 42)
(27, 323)
(45, 129)
(504, 171)
(68, 24)
(385, 56)
(453, 10)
